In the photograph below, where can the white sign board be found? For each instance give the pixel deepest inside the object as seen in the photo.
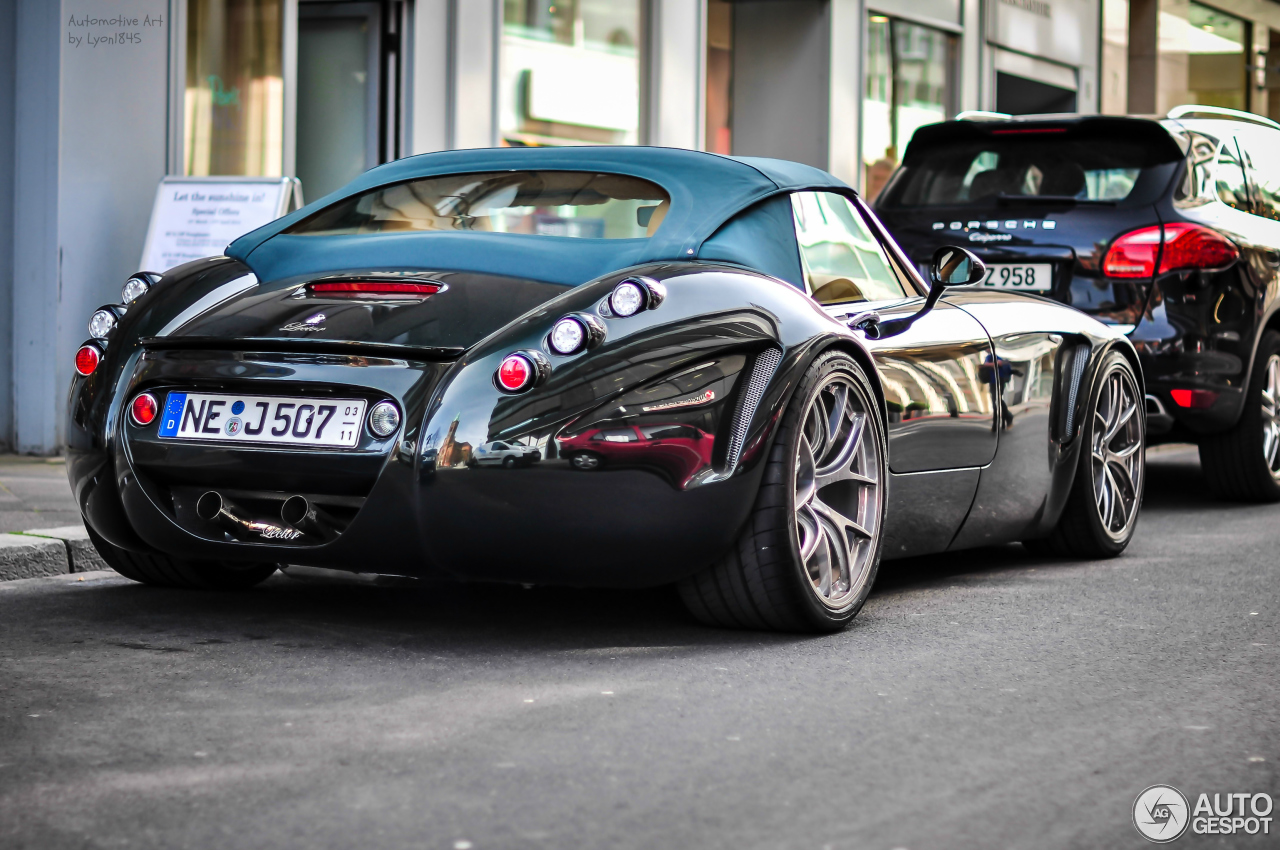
(196, 217)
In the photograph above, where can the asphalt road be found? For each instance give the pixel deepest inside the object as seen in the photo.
(981, 700)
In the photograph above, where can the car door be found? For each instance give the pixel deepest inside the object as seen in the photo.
(936, 376)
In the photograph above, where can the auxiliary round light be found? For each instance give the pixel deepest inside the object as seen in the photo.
(87, 359)
(101, 323)
(568, 336)
(628, 298)
(384, 418)
(144, 409)
(516, 373)
(134, 288)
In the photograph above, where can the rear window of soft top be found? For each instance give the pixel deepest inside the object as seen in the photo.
(574, 204)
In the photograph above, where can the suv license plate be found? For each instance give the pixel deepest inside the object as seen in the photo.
(325, 422)
(1029, 276)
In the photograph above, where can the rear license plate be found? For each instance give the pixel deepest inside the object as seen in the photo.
(1029, 276)
(327, 422)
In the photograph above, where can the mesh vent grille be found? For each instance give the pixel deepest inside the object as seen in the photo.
(761, 371)
(1078, 363)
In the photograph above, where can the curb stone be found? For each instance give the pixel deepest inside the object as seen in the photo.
(31, 557)
(81, 554)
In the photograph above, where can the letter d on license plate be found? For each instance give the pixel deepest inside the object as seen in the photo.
(320, 422)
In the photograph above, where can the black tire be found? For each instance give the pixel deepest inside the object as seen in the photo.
(163, 571)
(1234, 463)
(763, 583)
(508, 462)
(1082, 531)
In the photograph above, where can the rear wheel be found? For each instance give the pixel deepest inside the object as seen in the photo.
(163, 571)
(586, 461)
(809, 553)
(1102, 510)
(1244, 462)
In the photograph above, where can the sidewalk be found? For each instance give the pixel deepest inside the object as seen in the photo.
(34, 494)
(41, 532)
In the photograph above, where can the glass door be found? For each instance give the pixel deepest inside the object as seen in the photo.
(338, 94)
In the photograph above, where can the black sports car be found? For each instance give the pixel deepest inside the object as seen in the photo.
(721, 372)
(1167, 228)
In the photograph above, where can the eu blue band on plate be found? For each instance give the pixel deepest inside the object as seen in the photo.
(172, 414)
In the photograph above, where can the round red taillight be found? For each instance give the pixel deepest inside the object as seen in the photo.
(516, 373)
(144, 409)
(87, 359)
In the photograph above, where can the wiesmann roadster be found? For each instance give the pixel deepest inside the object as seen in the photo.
(735, 382)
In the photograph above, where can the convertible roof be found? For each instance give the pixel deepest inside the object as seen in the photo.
(706, 190)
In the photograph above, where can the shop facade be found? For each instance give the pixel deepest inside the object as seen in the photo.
(1159, 54)
(106, 103)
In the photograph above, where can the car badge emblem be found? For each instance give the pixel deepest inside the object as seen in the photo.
(311, 323)
(701, 398)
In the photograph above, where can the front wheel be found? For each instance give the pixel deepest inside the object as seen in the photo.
(1102, 510)
(810, 550)
(163, 571)
(1244, 462)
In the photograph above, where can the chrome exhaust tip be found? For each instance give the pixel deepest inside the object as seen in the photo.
(298, 512)
(212, 507)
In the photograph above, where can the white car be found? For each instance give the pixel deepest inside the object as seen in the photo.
(506, 454)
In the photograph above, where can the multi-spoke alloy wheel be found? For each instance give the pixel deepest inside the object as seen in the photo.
(1101, 512)
(1270, 418)
(1243, 462)
(1117, 452)
(837, 501)
(809, 551)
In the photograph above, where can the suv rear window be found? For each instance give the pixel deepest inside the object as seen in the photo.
(982, 172)
(543, 203)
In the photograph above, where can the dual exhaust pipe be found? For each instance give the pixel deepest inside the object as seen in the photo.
(298, 517)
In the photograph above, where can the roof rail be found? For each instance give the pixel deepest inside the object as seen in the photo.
(1192, 110)
(982, 115)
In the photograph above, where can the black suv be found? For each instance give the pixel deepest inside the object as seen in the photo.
(1169, 227)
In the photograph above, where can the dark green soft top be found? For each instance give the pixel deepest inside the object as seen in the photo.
(707, 191)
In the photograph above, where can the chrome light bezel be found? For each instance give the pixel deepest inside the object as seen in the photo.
(541, 368)
(384, 405)
(141, 286)
(593, 333)
(652, 294)
(109, 317)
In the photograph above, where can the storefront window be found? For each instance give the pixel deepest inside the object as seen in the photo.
(570, 72)
(234, 103)
(1203, 57)
(719, 131)
(909, 71)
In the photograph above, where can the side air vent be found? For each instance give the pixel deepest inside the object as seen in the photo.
(761, 371)
(1079, 359)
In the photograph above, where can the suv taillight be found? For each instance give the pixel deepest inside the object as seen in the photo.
(1186, 246)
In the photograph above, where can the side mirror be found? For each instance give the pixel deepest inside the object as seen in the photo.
(952, 266)
(955, 266)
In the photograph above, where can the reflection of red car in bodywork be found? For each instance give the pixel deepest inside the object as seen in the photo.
(680, 451)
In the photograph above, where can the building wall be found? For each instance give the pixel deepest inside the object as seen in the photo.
(91, 139)
(86, 130)
(8, 21)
